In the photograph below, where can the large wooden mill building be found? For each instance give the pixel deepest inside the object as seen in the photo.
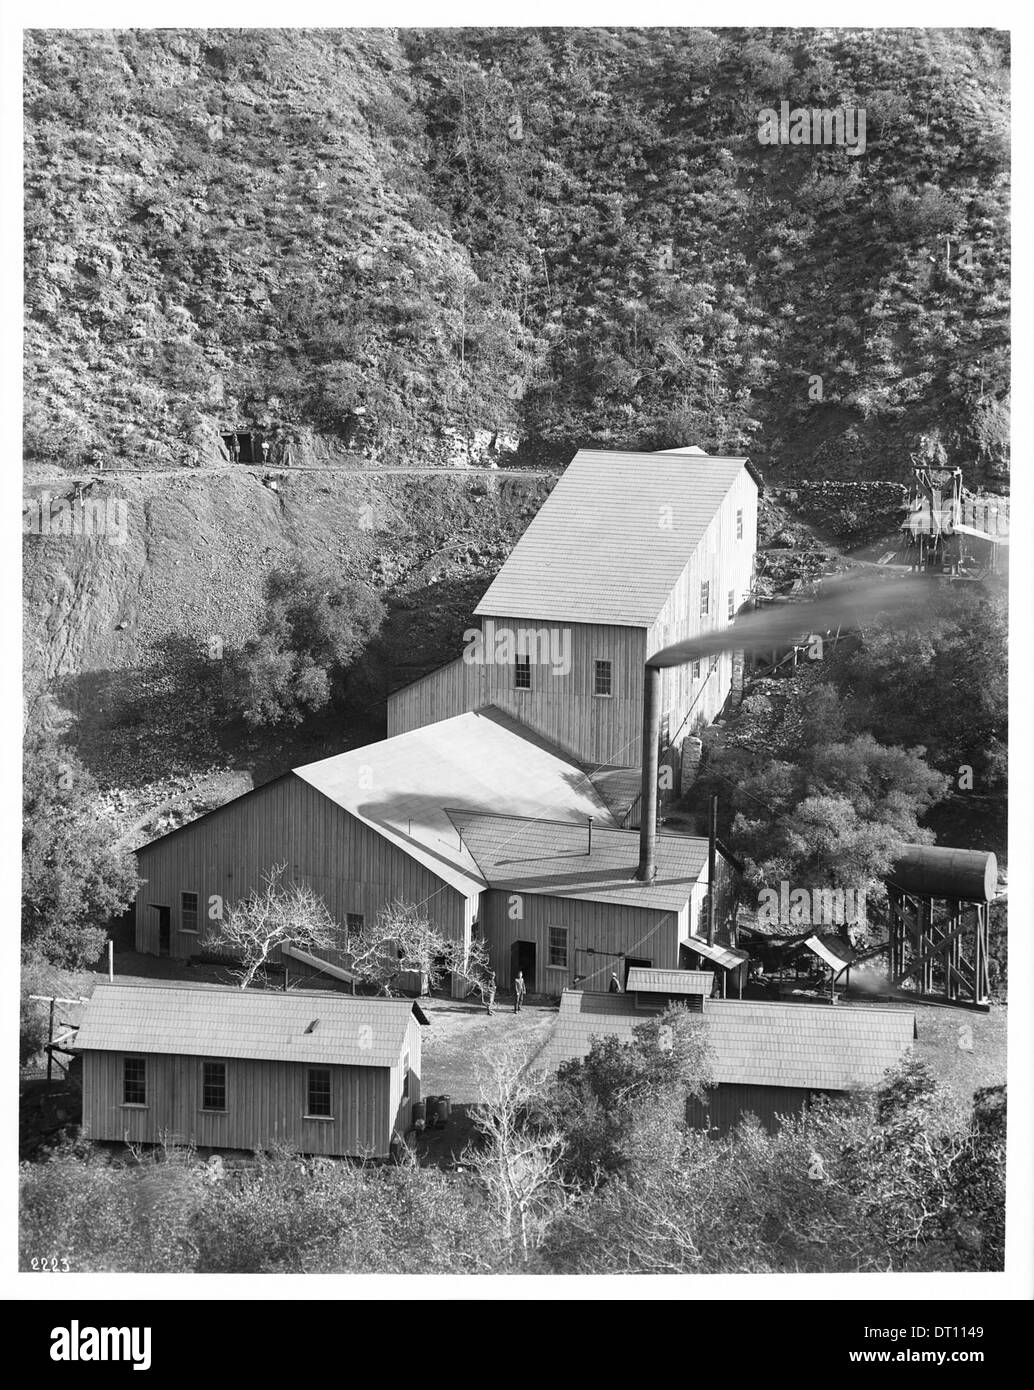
(504, 799)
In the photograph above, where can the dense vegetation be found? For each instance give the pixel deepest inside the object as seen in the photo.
(823, 776)
(893, 1180)
(567, 236)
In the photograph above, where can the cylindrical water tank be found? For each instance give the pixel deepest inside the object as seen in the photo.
(419, 1114)
(936, 871)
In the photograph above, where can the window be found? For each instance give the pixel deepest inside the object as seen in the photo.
(319, 1091)
(522, 673)
(696, 670)
(213, 1085)
(558, 948)
(732, 603)
(134, 1081)
(354, 923)
(604, 673)
(705, 598)
(188, 912)
(739, 524)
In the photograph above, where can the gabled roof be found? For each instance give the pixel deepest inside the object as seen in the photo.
(483, 761)
(809, 1046)
(546, 856)
(596, 551)
(220, 1021)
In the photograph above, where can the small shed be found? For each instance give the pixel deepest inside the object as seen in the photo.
(225, 1068)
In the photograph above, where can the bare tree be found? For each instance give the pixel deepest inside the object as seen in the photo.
(281, 914)
(474, 967)
(401, 941)
(517, 1161)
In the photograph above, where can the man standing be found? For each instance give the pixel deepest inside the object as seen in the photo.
(615, 984)
(520, 989)
(490, 991)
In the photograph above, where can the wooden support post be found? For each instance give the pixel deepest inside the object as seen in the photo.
(50, 1039)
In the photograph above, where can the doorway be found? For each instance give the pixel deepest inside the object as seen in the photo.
(164, 929)
(246, 447)
(634, 963)
(522, 958)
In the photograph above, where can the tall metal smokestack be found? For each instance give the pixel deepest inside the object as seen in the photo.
(648, 794)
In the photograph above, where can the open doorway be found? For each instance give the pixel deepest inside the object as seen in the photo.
(522, 958)
(634, 963)
(245, 446)
(164, 929)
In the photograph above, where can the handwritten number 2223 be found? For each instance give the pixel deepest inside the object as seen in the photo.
(51, 1264)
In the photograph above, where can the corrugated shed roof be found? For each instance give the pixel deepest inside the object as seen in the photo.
(216, 1021)
(817, 1047)
(483, 761)
(650, 981)
(728, 957)
(540, 856)
(597, 551)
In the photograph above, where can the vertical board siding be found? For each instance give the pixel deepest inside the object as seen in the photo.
(265, 1105)
(726, 1105)
(561, 705)
(635, 931)
(451, 690)
(724, 563)
(224, 856)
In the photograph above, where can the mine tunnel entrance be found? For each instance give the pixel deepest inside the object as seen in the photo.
(245, 446)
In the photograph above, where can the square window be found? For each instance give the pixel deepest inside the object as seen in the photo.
(558, 947)
(603, 678)
(319, 1091)
(354, 923)
(134, 1081)
(696, 670)
(705, 598)
(213, 1085)
(732, 603)
(522, 673)
(739, 524)
(188, 912)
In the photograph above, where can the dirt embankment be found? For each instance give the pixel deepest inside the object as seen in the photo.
(158, 571)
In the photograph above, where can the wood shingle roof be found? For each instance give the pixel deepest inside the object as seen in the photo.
(220, 1021)
(524, 855)
(810, 1046)
(604, 546)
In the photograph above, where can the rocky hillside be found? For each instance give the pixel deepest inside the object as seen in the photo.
(421, 244)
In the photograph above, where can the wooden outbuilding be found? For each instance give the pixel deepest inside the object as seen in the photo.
(225, 1068)
(769, 1060)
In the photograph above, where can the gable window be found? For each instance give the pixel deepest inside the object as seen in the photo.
(739, 524)
(134, 1081)
(188, 912)
(604, 678)
(705, 598)
(522, 673)
(732, 603)
(558, 948)
(213, 1085)
(319, 1092)
(354, 923)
